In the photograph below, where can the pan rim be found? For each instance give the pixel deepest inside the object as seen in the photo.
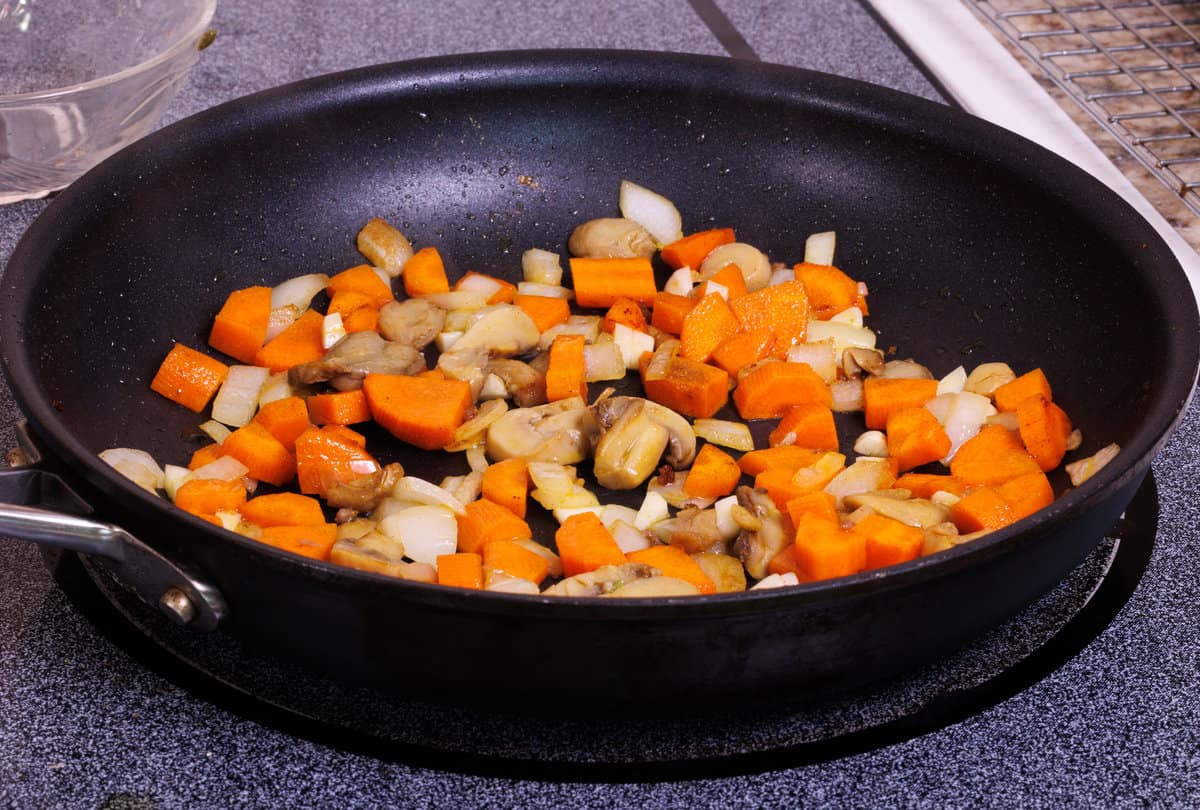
(492, 70)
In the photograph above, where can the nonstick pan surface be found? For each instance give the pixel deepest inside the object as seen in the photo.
(976, 245)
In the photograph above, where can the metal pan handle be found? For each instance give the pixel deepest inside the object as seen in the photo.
(158, 581)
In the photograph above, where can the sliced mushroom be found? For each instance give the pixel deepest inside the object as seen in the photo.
(653, 587)
(757, 548)
(725, 571)
(414, 322)
(611, 238)
(635, 432)
(561, 432)
(856, 360)
(695, 530)
(503, 330)
(524, 383)
(380, 554)
(366, 492)
(604, 579)
(905, 370)
(466, 365)
(987, 377)
(354, 357)
(917, 512)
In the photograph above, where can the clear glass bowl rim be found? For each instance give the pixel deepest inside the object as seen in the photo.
(187, 39)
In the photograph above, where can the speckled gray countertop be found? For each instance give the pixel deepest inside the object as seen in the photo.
(83, 724)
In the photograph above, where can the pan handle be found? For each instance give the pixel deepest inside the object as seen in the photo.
(155, 579)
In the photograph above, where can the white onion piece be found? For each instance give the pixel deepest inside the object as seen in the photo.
(545, 290)
(280, 319)
(726, 524)
(388, 507)
(426, 532)
(500, 582)
(541, 267)
(843, 335)
(332, 330)
(1007, 420)
(652, 211)
(847, 395)
(493, 388)
(586, 325)
(713, 288)
(464, 487)
(961, 415)
(477, 458)
(225, 468)
(819, 247)
(298, 292)
(680, 282)
(850, 315)
(734, 435)
(237, 400)
(953, 382)
(612, 513)
(276, 387)
(418, 490)
(484, 285)
(781, 276)
(632, 344)
(603, 361)
(173, 478)
(384, 275)
(775, 581)
(654, 509)
(866, 474)
(458, 299)
(445, 340)
(1083, 469)
(136, 465)
(565, 513)
(557, 487)
(818, 355)
(871, 443)
(215, 430)
(628, 537)
(674, 495)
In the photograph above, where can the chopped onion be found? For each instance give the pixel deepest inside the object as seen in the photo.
(500, 582)
(225, 468)
(962, 415)
(478, 282)
(727, 525)
(871, 443)
(953, 382)
(775, 581)
(603, 361)
(818, 355)
(843, 335)
(611, 513)
(656, 369)
(136, 465)
(493, 388)
(905, 370)
(1007, 420)
(564, 513)
(651, 210)
(545, 290)
(781, 276)
(173, 478)
(332, 330)
(850, 315)
(418, 490)
(457, 299)
(628, 537)
(427, 532)
(280, 319)
(237, 400)
(847, 395)
(445, 340)
(557, 487)
(472, 431)
(734, 435)
(298, 292)
(215, 430)
(680, 282)
(674, 494)
(632, 344)
(275, 388)
(553, 563)
(464, 487)
(477, 459)
(1083, 469)
(866, 474)
(713, 288)
(541, 267)
(819, 247)
(654, 509)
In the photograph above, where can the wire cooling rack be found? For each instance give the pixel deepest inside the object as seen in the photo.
(1132, 65)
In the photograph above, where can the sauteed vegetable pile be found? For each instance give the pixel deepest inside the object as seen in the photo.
(500, 373)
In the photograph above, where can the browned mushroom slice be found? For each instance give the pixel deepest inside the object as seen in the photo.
(605, 579)
(366, 492)
(757, 548)
(524, 383)
(611, 238)
(635, 433)
(695, 530)
(354, 357)
(414, 322)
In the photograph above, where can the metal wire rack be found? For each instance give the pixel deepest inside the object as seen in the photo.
(1132, 65)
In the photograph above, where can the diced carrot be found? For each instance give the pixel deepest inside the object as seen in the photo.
(882, 395)
(1027, 493)
(625, 311)
(923, 485)
(339, 408)
(691, 249)
(889, 541)
(267, 458)
(345, 434)
(431, 374)
(404, 407)
(1033, 383)
(461, 570)
(818, 502)
(363, 319)
(313, 541)
(299, 343)
(364, 280)
(505, 293)
(328, 456)
(785, 563)
(689, 387)
(1044, 428)
(668, 311)
(345, 302)
(240, 328)
(714, 474)
(708, 324)
(566, 374)
(981, 508)
(673, 561)
(730, 277)
(283, 509)
(585, 545)
(807, 425)
(782, 308)
(507, 483)
(600, 282)
(915, 437)
(772, 388)
(783, 485)
(544, 310)
(483, 522)
(829, 289)
(785, 457)
(992, 456)
(285, 419)
(743, 348)
(515, 560)
(207, 496)
(206, 454)
(424, 273)
(188, 377)
(824, 550)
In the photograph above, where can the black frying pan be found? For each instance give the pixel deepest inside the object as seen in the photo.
(976, 244)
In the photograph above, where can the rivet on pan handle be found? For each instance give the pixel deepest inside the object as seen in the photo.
(155, 579)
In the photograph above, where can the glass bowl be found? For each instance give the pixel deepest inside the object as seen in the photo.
(79, 79)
